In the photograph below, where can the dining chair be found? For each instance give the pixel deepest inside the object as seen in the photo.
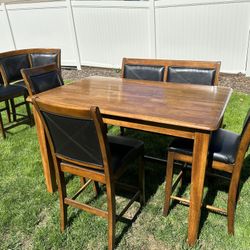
(10, 66)
(11, 63)
(42, 78)
(6, 94)
(226, 153)
(81, 147)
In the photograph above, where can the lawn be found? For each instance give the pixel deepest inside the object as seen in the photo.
(29, 215)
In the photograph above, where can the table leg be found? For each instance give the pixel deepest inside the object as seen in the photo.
(200, 150)
(48, 166)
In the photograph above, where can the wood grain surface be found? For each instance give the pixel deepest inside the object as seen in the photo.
(186, 105)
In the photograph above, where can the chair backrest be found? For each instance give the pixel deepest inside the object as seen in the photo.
(142, 70)
(75, 135)
(191, 75)
(179, 71)
(40, 79)
(12, 62)
(40, 57)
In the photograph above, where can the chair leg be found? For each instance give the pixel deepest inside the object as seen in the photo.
(63, 206)
(142, 180)
(13, 108)
(7, 105)
(122, 131)
(29, 112)
(96, 188)
(231, 203)
(111, 215)
(82, 180)
(169, 180)
(230, 214)
(2, 127)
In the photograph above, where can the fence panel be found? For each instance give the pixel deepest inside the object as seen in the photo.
(109, 31)
(101, 33)
(42, 25)
(5, 40)
(204, 32)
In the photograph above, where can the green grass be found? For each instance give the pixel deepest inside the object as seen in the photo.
(29, 215)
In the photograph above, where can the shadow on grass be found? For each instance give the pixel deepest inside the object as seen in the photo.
(214, 185)
(155, 145)
(223, 186)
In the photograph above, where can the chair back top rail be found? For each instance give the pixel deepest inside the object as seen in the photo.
(11, 62)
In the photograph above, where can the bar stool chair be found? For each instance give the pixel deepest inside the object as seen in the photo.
(226, 154)
(80, 146)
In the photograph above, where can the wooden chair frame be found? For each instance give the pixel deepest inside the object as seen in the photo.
(7, 109)
(233, 169)
(97, 173)
(178, 63)
(6, 82)
(28, 73)
(28, 52)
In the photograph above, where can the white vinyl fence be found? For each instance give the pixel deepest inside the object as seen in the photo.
(101, 33)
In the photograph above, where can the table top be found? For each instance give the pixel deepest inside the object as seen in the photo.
(186, 105)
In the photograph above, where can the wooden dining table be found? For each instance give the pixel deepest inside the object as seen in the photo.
(181, 110)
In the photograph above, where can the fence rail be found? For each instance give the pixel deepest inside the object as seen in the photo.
(101, 33)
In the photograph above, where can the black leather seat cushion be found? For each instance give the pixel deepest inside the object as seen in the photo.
(223, 147)
(10, 91)
(123, 150)
(191, 75)
(43, 59)
(144, 72)
(12, 66)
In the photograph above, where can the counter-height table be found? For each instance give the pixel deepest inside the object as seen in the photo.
(182, 110)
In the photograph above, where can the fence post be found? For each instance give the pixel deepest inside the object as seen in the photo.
(9, 25)
(73, 34)
(152, 29)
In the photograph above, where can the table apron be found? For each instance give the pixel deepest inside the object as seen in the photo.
(158, 128)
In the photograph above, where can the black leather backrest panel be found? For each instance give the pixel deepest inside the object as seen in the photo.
(43, 59)
(46, 81)
(144, 72)
(13, 64)
(191, 75)
(74, 138)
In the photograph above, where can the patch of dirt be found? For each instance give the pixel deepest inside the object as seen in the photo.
(73, 74)
(237, 82)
